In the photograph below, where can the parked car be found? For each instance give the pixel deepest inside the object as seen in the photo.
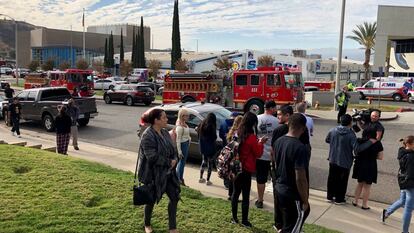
(6, 70)
(107, 83)
(40, 105)
(154, 86)
(130, 94)
(22, 72)
(198, 111)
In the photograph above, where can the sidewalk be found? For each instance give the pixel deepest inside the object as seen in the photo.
(344, 218)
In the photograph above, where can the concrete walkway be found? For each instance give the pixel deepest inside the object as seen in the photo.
(344, 218)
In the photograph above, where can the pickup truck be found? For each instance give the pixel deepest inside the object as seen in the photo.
(40, 105)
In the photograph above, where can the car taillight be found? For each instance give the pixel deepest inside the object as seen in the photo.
(139, 93)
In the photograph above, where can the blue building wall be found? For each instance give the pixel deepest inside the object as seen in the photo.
(62, 54)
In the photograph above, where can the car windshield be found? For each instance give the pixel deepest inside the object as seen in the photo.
(294, 80)
(79, 78)
(221, 114)
(117, 79)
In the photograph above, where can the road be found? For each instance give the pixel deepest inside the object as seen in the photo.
(116, 127)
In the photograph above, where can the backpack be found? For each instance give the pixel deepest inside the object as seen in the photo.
(228, 163)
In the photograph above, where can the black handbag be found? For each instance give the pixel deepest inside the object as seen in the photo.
(142, 193)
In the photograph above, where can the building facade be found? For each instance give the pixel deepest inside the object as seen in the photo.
(394, 46)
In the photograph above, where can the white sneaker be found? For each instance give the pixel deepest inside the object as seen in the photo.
(13, 134)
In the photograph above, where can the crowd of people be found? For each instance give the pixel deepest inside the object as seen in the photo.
(275, 145)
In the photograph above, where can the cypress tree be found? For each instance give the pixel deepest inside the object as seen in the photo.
(142, 45)
(136, 51)
(133, 47)
(106, 53)
(121, 49)
(111, 61)
(176, 41)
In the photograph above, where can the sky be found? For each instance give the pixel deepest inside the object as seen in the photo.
(215, 24)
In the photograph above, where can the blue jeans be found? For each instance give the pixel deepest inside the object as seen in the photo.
(181, 164)
(406, 200)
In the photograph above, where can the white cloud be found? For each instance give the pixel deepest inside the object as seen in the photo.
(263, 18)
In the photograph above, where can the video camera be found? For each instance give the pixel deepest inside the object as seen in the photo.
(363, 117)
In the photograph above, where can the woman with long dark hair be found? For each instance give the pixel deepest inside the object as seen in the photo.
(207, 133)
(250, 149)
(63, 123)
(157, 164)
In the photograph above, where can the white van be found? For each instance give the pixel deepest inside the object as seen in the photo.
(384, 88)
(138, 75)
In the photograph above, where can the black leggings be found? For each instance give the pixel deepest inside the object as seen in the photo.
(16, 125)
(341, 112)
(172, 207)
(208, 161)
(242, 185)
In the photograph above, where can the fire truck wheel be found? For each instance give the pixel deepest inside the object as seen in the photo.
(397, 97)
(48, 122)
(107, 99)
(129, 101)
(255, 106)
(361, 96)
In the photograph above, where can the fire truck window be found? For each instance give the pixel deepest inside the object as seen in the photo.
(172, 117)
(254, 79)
(193, 121)
(241, 80)
(273, 80)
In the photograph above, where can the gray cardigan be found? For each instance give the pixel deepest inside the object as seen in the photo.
(155, 155)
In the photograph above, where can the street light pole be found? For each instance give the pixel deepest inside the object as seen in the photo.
(339, 62)
(15, 48)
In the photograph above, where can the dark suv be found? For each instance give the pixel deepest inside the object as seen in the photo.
(198, 111)
(130, 94)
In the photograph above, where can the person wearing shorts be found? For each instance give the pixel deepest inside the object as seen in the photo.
(267, 122)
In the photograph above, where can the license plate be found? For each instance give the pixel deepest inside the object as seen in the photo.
(81, 116)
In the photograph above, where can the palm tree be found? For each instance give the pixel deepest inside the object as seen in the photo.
(365, 36)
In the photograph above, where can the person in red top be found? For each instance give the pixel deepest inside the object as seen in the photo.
(250, 149)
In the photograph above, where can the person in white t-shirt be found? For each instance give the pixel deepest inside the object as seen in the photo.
(267, 123)
(183, 142)
(309, 121)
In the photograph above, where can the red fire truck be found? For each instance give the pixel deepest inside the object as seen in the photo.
(245, 90)
(321, 85)
(70, 78)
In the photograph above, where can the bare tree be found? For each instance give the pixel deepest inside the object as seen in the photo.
(266, 61)
(33, 65)
(48, 65)
(223, 63)
(154, 65)
(64, 65)
(82, 64)
(181, 65)
(98, 66)
(125, 68)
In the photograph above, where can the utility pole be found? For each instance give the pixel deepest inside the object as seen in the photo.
(71, 48)
(339, 62)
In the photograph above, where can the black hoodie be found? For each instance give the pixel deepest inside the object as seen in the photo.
(406, 173)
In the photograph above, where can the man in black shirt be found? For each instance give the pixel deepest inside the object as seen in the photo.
(375, 116)
(292, 165)
(9, 92)
(14, 116)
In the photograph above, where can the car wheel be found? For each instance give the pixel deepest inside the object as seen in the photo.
(410, 99)
(83, 122)
(129, 101)
(107, 99)
(48, 123)
(147, 103)
(188, 99)
(361, 96)
(397, 97)
(255, 106)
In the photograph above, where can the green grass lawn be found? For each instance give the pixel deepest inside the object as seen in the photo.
(99, 93)
(20, 84)
(45, 192)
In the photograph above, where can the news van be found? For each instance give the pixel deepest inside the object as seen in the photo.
(387, 88)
